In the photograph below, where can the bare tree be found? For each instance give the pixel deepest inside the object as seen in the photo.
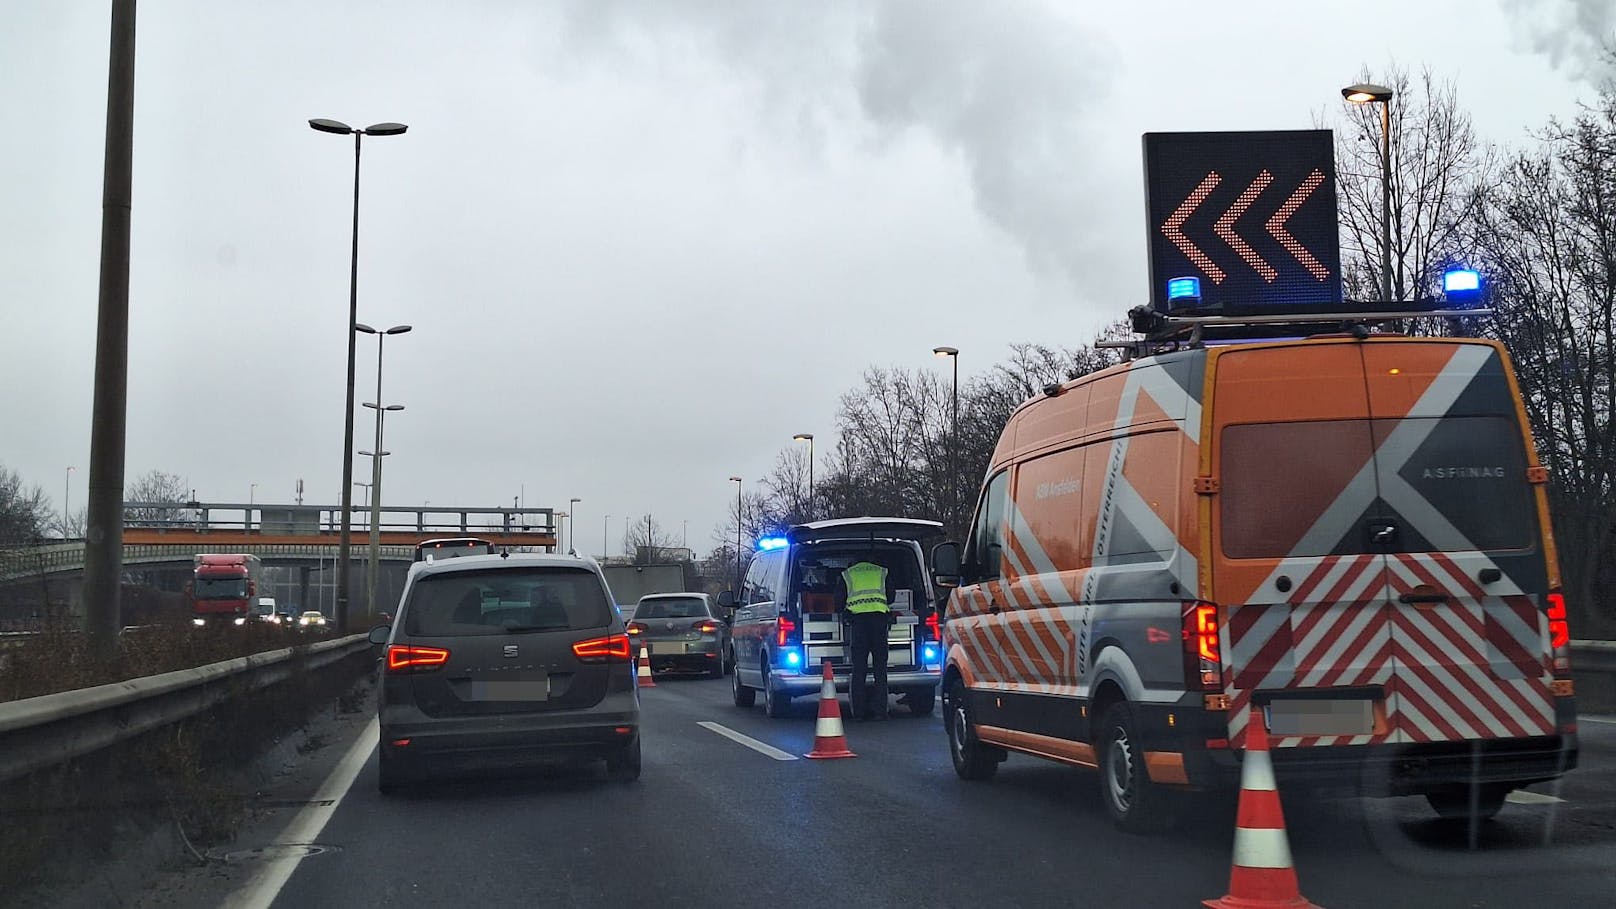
(25, 511)
(156, 490)
(1436, 164)
(1546, 238)
(649, 543)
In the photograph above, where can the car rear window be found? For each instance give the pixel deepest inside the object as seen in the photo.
(505, 600)
(671, 608)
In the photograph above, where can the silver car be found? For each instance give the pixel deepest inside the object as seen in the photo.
(682, 631)
(506, 661)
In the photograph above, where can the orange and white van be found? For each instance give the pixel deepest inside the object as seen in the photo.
(1346, 539)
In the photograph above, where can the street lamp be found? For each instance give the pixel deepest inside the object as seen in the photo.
(1366, 93)
(252, 495)
(67, 490)
(953, 438)
(605, 531)
(572, 522)
(809, 438)
(342, 129)
(373, 573)
(366, 487)
(737, 482)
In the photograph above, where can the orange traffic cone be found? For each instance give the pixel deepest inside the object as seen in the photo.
(1261, 875)
(829, 741)
(644, 671)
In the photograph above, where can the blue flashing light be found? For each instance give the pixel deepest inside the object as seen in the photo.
(768, 543)
(1461, 281)
(1183, 289)
(928, 653)
(793, 658)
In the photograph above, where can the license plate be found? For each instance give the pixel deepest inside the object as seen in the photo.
(1354, 716)
(657, 647)
(511, 690)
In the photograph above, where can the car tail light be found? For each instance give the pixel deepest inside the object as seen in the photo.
(635, 628)
(409, 658)
(1203, 656)
(1559, 633)
(786, 631)
(708, 627)
(611, 649)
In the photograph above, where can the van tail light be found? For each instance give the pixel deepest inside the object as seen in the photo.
(786, 632)
(410, 658)
(1559, 633)
(1203, 650)
(934, 627)
(610, 649)
(708, 627)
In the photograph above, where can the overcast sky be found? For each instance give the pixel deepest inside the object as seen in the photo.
(641, 242)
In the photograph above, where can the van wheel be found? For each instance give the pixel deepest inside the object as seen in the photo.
(1135, 803)
(922, 704)
(775, 703)
(1455, 804)
(744, 696)
(972, 759)
(625, 767)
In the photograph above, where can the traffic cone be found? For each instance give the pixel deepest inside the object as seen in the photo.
(644, 672)
(829, 741)
(1261, 875)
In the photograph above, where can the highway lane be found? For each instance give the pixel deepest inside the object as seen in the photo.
(713, 822)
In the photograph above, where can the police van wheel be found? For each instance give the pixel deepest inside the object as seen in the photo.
(1459, 804)
(1135, 803)
(921, 704)
(744, 696)
(972, 759)
(775, 703)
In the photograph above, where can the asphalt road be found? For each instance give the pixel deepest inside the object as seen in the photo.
(715, 823)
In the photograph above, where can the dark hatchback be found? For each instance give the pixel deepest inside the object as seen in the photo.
(506, 661)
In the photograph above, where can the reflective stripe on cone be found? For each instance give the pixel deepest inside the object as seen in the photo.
(644, 672)
(1261, 875)
(829, 740)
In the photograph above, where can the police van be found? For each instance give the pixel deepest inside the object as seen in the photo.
(789, 619)
(1343, 538)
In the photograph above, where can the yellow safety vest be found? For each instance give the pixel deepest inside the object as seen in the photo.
(866, 587)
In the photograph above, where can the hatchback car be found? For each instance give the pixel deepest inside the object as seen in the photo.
(506, 661)
(681, 631)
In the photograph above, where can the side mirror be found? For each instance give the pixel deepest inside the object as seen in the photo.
(380, 634)
(945, 564)
(726, 599)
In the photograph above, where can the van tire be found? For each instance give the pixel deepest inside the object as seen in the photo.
(744, 696)
(973, 760)
(922, 703)
(1455, 804)
(1135, 804)
(776, 704)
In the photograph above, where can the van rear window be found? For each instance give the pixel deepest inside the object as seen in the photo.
(1449, 484)
(506, 600)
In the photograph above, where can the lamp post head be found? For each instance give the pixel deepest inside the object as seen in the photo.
(385, 129)
(331, 126)
(1366, 92)
(372, 454)
(366, 329)
(945, 351)
(735, 479)
(399, 329)
(803, 437)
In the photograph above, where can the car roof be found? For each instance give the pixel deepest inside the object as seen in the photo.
(675, 595)
(865, 528)
(511, 560)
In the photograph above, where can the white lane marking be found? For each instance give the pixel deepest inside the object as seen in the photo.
(261, 891)
(1523, 797)
(763, 748)
(1607, 720)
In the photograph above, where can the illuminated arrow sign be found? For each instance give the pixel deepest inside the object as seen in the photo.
(1251, 213)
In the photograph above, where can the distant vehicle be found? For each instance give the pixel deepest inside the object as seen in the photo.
(681, 631)
(312, 619)
(264, 610)
(452, 547)
(789, 618)
(1345, 539)
(520, 661)
(222, 588)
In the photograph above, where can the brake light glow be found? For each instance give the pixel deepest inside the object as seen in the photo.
(408, 657)
(934, 627)
(635, 628)
(708, 627)
(785, 631)
(610, 649)
(1203, 657)
(1559, 627)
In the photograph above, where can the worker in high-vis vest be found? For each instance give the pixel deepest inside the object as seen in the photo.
(869, 617)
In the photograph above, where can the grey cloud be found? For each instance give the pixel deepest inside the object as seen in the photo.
(1578, 36)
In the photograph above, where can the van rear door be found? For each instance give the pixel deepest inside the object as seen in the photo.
(1467, 574)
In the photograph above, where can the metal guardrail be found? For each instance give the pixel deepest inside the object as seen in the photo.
(1593, 656)
(53, 728)
(25, 563)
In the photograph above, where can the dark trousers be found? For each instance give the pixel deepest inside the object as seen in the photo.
(867, 633)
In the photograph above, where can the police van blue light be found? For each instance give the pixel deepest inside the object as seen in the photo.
(769, 543)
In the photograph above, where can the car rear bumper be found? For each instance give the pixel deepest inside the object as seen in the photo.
(504, 741)
(682, 654)
(904, 681)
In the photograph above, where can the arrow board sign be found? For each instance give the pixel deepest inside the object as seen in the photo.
(1251, 214)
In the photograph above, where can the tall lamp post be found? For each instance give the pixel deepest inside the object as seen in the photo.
(953, 439)
(342, 129)
(67, 490)
(737, 482)
(572, 522)
(373, 572)
(252, 499)
(605, 531)
(1368, 93)
(809, 438)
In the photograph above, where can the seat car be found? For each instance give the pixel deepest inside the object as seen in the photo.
(789, 620)
(1345, 539)
(681, 631)
(505, 661)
